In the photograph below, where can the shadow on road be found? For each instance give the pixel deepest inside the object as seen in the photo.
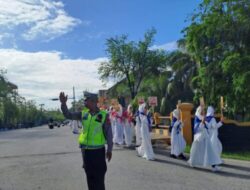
(247, 169)
(221, 173)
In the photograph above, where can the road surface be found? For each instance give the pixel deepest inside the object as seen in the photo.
(44, 159)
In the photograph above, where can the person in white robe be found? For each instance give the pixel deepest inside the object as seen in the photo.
(202, 152)
(178, 143)
(112, 117)
(127, 122)
(118, 136)
(146, 149)
(137, 129)
(76, 126)
(213, 127)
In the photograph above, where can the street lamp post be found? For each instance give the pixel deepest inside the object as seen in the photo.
(74, 98)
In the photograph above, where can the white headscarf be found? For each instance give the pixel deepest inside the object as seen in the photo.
(142, 107)
(176, 114)
(129, 108)
(198, 113)
(210, 111)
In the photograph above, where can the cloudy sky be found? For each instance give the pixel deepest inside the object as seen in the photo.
(48, 46)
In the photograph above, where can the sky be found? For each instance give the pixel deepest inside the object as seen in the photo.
(49, 46)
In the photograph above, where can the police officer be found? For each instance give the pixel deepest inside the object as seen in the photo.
(95, 134)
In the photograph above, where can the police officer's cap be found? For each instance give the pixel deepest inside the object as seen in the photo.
(89, 95)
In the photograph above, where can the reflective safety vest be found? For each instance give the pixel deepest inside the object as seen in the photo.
(92, 135)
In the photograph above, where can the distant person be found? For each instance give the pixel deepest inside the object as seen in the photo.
(75, 125)
(178, 143)
(95, 133)
(137, 129)
(128, 125)
(146, 149)
(118, 136)
(112, 117)
(213, 127)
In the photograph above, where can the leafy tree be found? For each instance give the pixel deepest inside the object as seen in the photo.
(218, 40)
(131, 61)
(14, 109)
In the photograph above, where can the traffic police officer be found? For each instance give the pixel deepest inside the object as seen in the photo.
(95, 134)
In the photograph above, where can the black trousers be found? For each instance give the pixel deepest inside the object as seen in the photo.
(95, 168)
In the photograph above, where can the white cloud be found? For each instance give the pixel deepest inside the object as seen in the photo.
(42, 75)
(37, 18)
(170, 46)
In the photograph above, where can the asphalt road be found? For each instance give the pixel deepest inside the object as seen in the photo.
(44, 159)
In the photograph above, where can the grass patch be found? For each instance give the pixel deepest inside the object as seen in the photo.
(187, 149)
(230, 155)
(237, 155)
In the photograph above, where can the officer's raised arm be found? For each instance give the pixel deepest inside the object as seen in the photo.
(67, 114)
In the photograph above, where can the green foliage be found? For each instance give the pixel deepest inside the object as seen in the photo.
(131, 61)
(55, 114)
(14, 109)
(218, 40)
(212, 61)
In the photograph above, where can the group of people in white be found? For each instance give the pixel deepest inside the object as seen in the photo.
(206, 148)
(124, 129)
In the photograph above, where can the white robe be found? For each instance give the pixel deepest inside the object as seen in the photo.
(178, 143)
(127, 132)
(202, 152)
(138, 131)
(76, 125)
(145, 150)
(118, 136)
(113, 125)
(213, 134)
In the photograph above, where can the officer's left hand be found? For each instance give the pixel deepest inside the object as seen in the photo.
(109, 156)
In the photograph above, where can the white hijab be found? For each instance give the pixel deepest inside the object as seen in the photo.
(129, 108)
(210, 111)
(142, 107)
(198, 113)
(176, 114)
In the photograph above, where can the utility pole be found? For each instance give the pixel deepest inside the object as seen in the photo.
(74, 99)
(41, 106)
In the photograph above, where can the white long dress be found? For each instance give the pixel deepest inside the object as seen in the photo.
(118, 136)
(138, 131)
(145, 150)
(75, 125)
(113, 124)
(127, 132)
(178, 143)
(202, 152)
(213, 133)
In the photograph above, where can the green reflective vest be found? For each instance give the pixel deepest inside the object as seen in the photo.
(92, 135)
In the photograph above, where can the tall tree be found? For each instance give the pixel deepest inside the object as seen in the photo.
(131, 61)
(218, 39)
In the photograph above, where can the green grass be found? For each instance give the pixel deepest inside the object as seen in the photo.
(237, 155)
(230, 155)
(187, 149)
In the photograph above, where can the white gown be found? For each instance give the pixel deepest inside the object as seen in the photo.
(76, 125)
(138, 131)
(178, 143)
(213, 133)
(113, 125)
(118, 136)
(202, 152)
(127, 132)
(145, 150)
